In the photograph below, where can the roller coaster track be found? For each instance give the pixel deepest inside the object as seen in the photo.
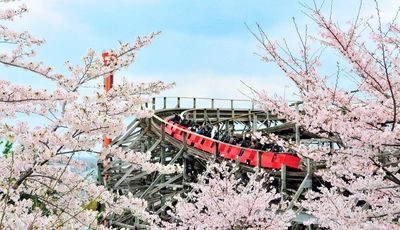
(148, 134)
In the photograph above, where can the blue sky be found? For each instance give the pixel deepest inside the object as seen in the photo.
(205, 47)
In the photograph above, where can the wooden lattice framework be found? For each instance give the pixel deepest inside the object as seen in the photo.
(148, 135)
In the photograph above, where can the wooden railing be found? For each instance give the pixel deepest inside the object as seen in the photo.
(198, 102)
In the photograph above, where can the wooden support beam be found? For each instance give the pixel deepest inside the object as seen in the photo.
(283, 182)
(127, 173)
(154, 183)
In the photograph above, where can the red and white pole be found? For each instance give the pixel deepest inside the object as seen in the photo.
(108, 82)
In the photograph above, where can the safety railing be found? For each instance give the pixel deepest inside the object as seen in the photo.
(158, 103)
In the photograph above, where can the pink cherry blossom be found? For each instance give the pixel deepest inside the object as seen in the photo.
(35, 192)
(220, 201)
(361, 179)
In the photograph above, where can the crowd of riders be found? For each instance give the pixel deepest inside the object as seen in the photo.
(244, 139)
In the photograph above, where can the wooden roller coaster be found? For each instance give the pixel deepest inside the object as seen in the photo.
(172, 143)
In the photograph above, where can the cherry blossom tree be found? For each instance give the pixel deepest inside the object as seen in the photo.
(224, 198)
(34, 192)
(361, 189)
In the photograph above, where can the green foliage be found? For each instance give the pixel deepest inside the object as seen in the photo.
(92, 205)
(37, 203)
(7, 147)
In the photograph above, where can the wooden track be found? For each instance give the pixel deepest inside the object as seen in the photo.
(144, 135)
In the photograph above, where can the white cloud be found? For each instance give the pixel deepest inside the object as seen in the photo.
(204, 62)
(207, 85)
